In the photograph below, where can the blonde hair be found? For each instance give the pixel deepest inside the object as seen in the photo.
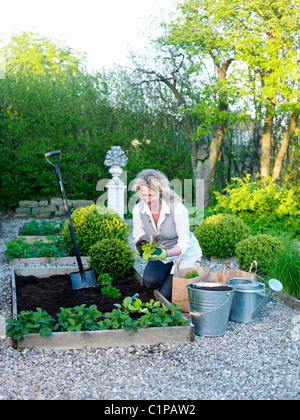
(157, 181)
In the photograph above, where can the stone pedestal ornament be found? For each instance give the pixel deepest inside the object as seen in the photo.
(116, 158)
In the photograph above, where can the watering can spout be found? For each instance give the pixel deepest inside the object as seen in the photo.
(274, 286)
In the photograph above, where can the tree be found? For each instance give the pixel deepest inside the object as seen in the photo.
(29, 52)
(196, 32)
(260, 38)
(47, 108)
(267, 41)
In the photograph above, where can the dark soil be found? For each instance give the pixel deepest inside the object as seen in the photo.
(211, 289)
(55, 292)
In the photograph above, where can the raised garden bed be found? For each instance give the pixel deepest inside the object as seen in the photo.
(59, 261)
(78, 340)
(30, 239)
(56, 291)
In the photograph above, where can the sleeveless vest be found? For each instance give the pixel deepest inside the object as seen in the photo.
(167, 235)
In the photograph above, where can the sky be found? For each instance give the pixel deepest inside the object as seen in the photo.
(104, 29)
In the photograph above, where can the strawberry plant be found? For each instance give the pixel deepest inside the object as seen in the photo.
(162, 316)
(116, 320)
(28, 322)
(44, 227)
(79, 318)
(132, 305)
(18, 248)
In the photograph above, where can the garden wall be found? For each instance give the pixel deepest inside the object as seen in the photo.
(48, 208)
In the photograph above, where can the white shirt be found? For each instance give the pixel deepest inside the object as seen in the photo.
(190, 249)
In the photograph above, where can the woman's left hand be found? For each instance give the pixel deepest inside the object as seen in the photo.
(158, 254)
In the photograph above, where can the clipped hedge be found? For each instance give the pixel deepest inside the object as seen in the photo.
(112, 257)
(262, 248)
(219, 234)
(93, 224)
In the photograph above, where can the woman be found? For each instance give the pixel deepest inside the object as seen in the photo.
(161, 214)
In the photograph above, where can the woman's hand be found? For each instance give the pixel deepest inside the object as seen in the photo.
(158, 254)
(138, 251)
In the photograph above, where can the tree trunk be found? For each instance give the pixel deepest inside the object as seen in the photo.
(266, 147)
(214, 154)
(284, 147)
(203, 160)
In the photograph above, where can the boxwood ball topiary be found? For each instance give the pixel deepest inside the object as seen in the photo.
(92, 224)
(219, 234)
(111, 256)
(262, 248)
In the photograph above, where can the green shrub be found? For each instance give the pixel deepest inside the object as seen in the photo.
(219, 234)
(92, 224)
(111, 256)
(248, 198)
(264, 206)
(275, 227)
(262, 248)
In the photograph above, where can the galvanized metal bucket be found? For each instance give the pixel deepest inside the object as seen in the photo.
(247, 295)
(210, 305)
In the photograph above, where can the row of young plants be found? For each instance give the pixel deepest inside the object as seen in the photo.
(133, 314)
(42, 228)
(19, 248)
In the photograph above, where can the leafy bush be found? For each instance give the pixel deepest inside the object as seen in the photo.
(262, 248)
(92, 224)
(219, 234)
(111, 256)
(111, 292)
(256, 198)
(275, 227)
(18, 248)
(264, 206)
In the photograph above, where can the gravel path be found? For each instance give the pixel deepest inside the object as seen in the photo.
(252, 361)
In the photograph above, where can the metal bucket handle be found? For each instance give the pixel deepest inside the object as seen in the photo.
(199, 314)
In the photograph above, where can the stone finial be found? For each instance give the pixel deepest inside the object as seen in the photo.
(115, 156)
